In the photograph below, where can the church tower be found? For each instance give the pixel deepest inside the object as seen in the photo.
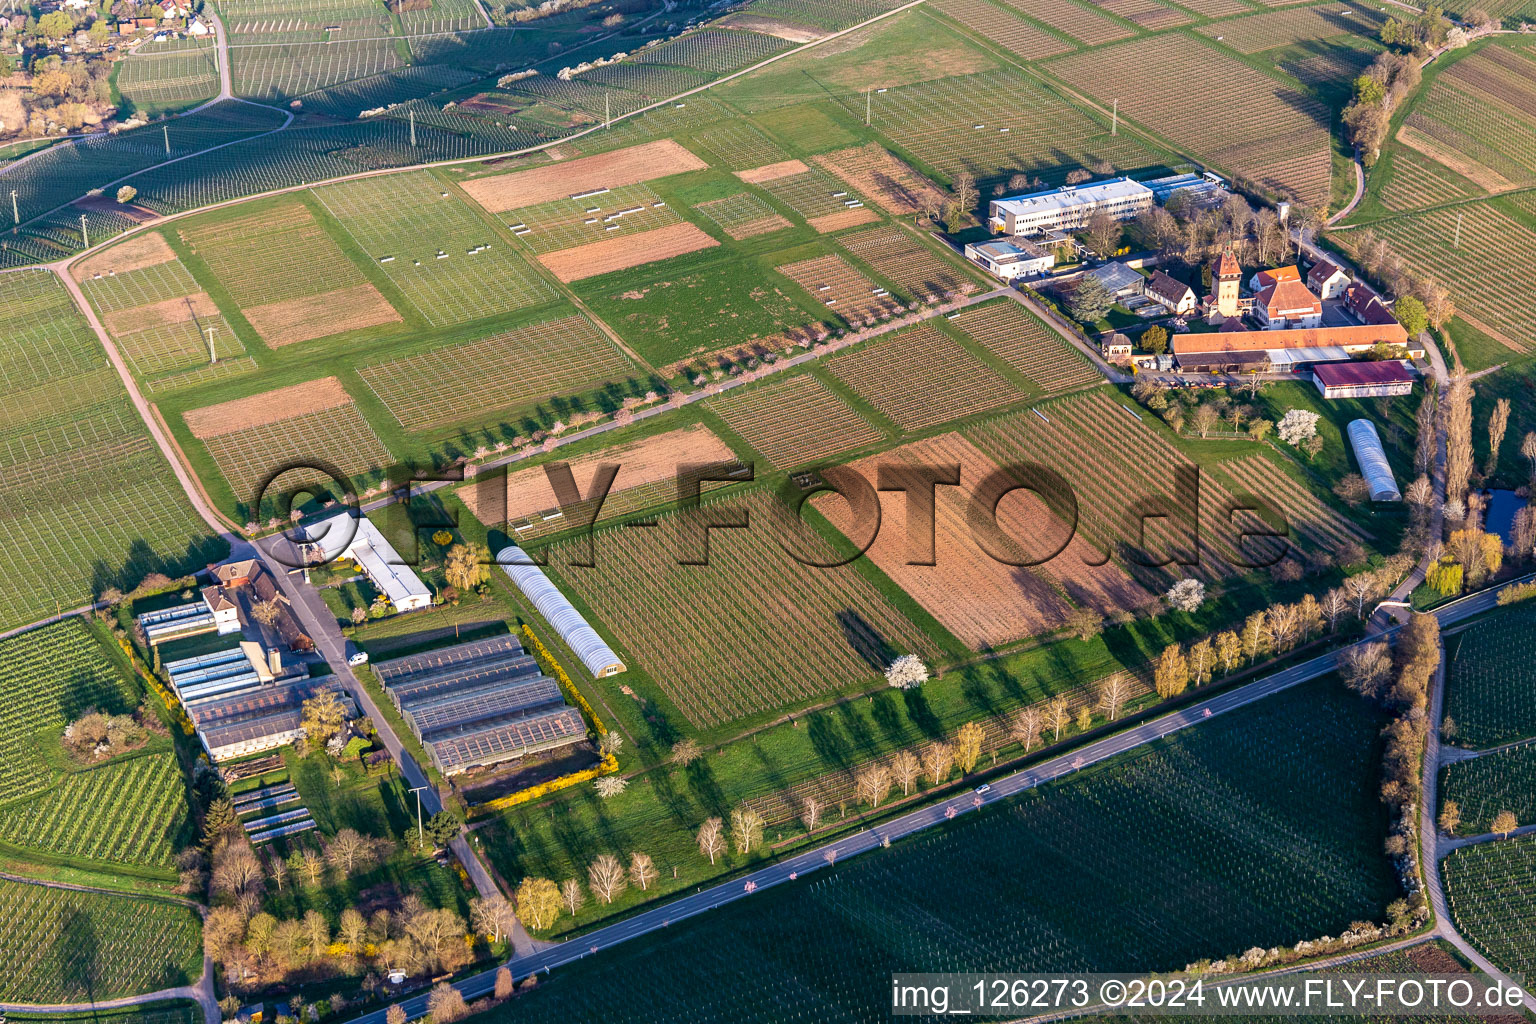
(1225, 276)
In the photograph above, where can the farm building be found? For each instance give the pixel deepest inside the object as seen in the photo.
(1203, 189)
(1068, 207)
(1363, 380)
(1115, 347)
(341, 536)
(1373, 461)
(1291, 350)
(1010, 258)
(1176, 295)
(1366, 306)
(1326, 280)
(573, 628)
(1121, 280)
(480, 703)
(259, 718)
(183, 620)
(1286, 304)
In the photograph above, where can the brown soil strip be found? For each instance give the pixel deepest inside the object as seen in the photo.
(761, 226)
(146, 250)
(603, 170)
(1467, 168)
(267, 407)
(874, 172)
(157, 314)
(772, 27)
(625, 251)
(320, 316)
(772, 172)
(843, 219)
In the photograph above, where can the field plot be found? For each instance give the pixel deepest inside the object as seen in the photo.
(1488, 274)
(652, 81)
(589, 174)
(161, 319)
(255, 257)
(998, 120)
(712, 51)
(348, 99)
(920, 378)
(51, 676)
(740, 145)
(1268, 833)
(439, 16)
(815, 195)
(1149, 14)
(184, 1012)
(1074, 20)
(843, 290)
(1020, 339)
(1491, 888)
(1217, 8)
(250, 438)
(751, 612)
(983, 601)
(743, 215)
(795, 422)
(1478, 117)
(500, 374)
(314, 20)
(1417, 182)
(1115, 465)
(525, 501)
(894, 187)
(1027, 40)
(899, 256)
(567, 223)
(1274, 137)
(1502, 781)
(446, 260)
(623, 252)
(131, 811)
(1311, 522)
(1491, 691)
(280, 71)
(86, 499)
(61, 946)
(1283, 28)
(1331, 63)
(170, 73)
(826, 14)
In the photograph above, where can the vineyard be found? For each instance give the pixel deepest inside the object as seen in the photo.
(1491, 691)
(871, 169)
(761, 631)
(1115, 464)
(567, 223)
(998, 121)
(503, 373)
(254, 257)
(51, 675)
(155, 1013)
(1259, 828)
(826, 204)
(451, 265)
(1487, 271)
(712, 51)
(1149, 14)
(743, 215)
(1312, 525)
(985, 602)
(739, 145)
(1484, 786)
(131, 811)
(1282, 28)
(988, 21)
(831, 15)
(441, 17)
(1256, 129)
(919, 378)
(1482, 109)
(1417, 182)
(898, 256)
(651, 81)
(62, 946)
(1491, 888)
(1074, 20)
(171, 73)
(843, 290)
(86, 499)
(1020, 339)
(794, 422)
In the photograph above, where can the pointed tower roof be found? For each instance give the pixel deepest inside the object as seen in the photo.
(1227, 265)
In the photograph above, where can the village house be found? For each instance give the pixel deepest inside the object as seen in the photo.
(1327, 281)
(1175, 294)
(1286, 303)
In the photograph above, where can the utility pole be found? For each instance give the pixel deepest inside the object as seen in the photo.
(1456, 243)
(419, 836)
(84, 235)
(209, 332)
(413, 128)
(15, 210)
(607, 111)
(1114, 125)
(166, 130)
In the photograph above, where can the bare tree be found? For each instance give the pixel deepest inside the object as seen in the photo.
(873, 783)
(642, 872)
(266, 612)
(1284, 626)
(1026, 727)
(1528, 449)
(1334, 604)
(1458, 440)
(1057, 716)
(810, 812)
(1504, 823)
(938, 757)
(345, 849)
(446, 1004)
(1450, 817)
(1498, 423)
(1113, 694)
(711, 838)
(606, 877)
(1361, 587)
(1366, 667)
(493, 916)
(504, 986)
(685, 752)
(572, 895)
(905, 769)
(746, 828)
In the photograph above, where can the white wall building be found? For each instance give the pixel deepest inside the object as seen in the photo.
(1068, 207)
(1008, 260)
(341, 536)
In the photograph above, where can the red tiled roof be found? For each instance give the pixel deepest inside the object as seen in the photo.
(1227, 266)
(1287, 296)
(1387, 371)
(1277, 274)
(1321, 271)
(1359, 336)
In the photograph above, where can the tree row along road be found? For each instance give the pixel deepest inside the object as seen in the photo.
(922, 818)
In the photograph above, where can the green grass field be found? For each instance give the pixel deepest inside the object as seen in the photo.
(154, 1013)
(62, 946)
(1491, 691)
(1258, 828)
(1492, 891)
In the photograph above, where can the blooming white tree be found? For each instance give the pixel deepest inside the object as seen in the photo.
(1297, 426)
(611, 785)
(1187, 595)
(907, 672)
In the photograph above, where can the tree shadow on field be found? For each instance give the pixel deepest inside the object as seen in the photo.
(828, 741)
(706, 790)
(859, 735)
(666, 792)
(922, 715)
(886, 715)
(865, 640)
(77, 953)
